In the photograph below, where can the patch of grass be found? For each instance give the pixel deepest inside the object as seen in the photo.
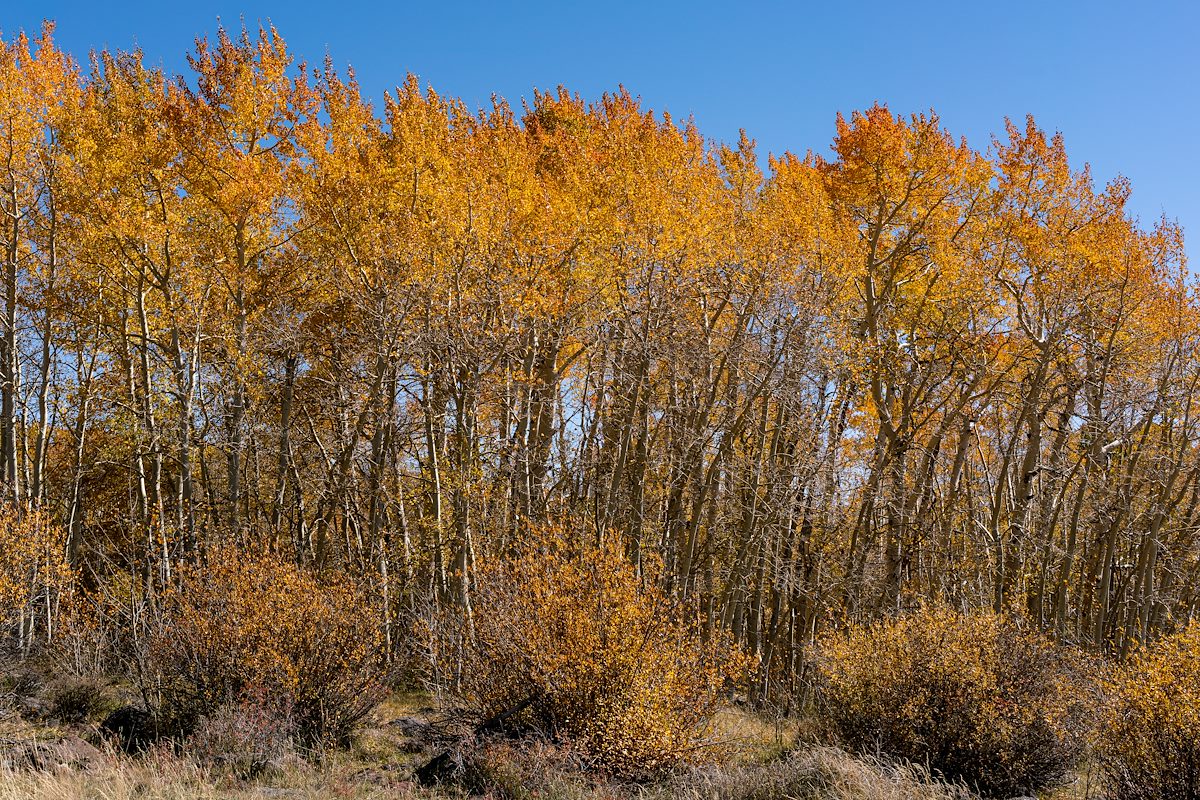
(815, 773)
(752, 737)
(403, 703)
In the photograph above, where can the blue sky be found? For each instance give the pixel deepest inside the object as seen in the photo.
(1120, 80)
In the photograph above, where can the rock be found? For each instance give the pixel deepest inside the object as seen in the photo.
(134, 728)
(33, 708)
(385, 775)
(446, 767)
(412, 727)
(67, 752)
(409, 734)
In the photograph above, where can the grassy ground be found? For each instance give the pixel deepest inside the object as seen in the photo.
(765, 758)
(821, 774)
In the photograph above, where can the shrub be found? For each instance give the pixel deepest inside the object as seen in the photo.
(977, 698)
(251, 625)
(524, 769)
(1148, 742)
(76, 700)
(245, 737)
(569, 641)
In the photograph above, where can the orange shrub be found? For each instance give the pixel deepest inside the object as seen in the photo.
(570, 641)
(977, 698)
(1148, 742)
(245, 625)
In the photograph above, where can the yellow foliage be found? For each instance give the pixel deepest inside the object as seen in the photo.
(567, 638)
(1149, 739)
(33, 563)
(978, 698)
(246, 625)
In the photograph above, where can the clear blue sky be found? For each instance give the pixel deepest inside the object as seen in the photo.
(1121, 80)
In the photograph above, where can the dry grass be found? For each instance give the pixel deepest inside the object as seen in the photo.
(168, 778)
(378, 765)
(817, 773)
(403, 704)
(768, 759)
(754, 738)
(814, 774)
(156, 779)
(848, 777)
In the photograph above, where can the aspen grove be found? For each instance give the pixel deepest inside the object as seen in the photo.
(246, 308)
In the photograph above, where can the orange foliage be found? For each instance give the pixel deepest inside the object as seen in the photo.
(977, 697)
(245, 625)
(565, 636)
